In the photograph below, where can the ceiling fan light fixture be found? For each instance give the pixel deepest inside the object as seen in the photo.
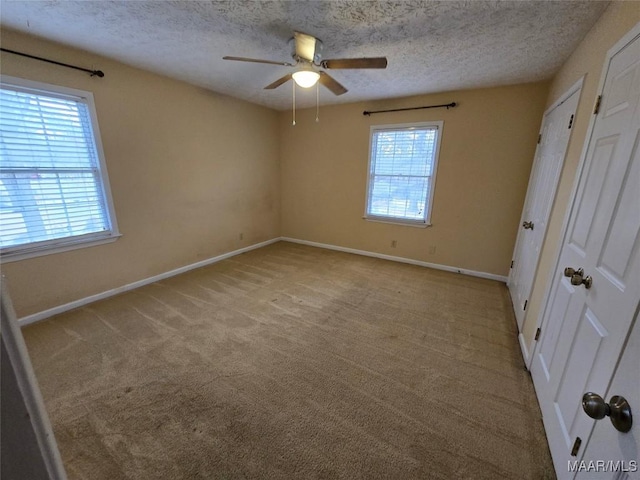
(306, 78)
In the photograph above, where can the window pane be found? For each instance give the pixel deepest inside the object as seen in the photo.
(401, 197)
(43, 132)
(39, 207)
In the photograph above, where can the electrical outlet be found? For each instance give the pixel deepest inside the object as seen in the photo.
(432, 249)
(394, 243)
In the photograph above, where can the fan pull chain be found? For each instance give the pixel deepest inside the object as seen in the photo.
(317, 102)
(293, 86)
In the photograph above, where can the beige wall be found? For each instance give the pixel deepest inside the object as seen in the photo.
(487, 148)
(587, 60)
(190, 170)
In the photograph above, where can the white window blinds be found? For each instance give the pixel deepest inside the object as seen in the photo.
(401, 172)
(51, 187)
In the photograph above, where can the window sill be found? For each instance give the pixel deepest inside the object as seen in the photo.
(63, 246)
(402, 223)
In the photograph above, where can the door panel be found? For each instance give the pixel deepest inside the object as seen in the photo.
(589, 336)
(621, 86)
(560, 311)
(545, 173)
(590, 197)
(623, 234)
(584, 329)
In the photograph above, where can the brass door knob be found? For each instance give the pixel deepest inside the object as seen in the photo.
(618, 410)
(528, 225)
(570, 272)
(577, 278)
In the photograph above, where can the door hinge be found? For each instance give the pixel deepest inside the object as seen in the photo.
(511, 264)
(596, 109)
(539, 138)
(570, 122)
(576, 447)
(537, 334)
(525, 304)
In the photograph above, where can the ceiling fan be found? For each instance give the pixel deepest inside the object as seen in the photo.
(307, 55)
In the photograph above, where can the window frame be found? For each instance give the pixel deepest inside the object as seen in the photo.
(47, 247)
(438, 124)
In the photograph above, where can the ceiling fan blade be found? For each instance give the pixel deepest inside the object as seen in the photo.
(331, 83)
(278, 82)
(374, 62)
(305, 46)
(257, 60)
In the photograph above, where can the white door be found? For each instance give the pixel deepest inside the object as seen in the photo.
(543, 182)
(611, 454)
(584, 329)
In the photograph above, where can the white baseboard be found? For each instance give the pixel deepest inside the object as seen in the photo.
(366, 253)
(525, 350)
(36, 317)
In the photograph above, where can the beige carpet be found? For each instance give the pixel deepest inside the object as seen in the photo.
(292, 362)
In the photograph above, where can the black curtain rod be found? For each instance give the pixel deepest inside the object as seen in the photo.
(93, 73)
(447, 106)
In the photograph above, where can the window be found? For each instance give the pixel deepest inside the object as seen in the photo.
(54, 191)
(402, 172)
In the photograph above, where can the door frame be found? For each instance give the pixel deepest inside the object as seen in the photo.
(575, 88)
(544, 312)
(34, 430)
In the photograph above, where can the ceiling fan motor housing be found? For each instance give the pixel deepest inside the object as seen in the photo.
(317, 54)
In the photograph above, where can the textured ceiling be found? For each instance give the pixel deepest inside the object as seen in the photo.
(431, 46)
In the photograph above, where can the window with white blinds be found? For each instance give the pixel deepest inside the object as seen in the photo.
(53, 186)
(402, 170)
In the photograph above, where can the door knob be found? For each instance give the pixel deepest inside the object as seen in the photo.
(570, 272)
(528, 225)
(618, 410)
(577, 279)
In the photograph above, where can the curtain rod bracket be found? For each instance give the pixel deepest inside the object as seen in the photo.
(446, 105)
(93, 73)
